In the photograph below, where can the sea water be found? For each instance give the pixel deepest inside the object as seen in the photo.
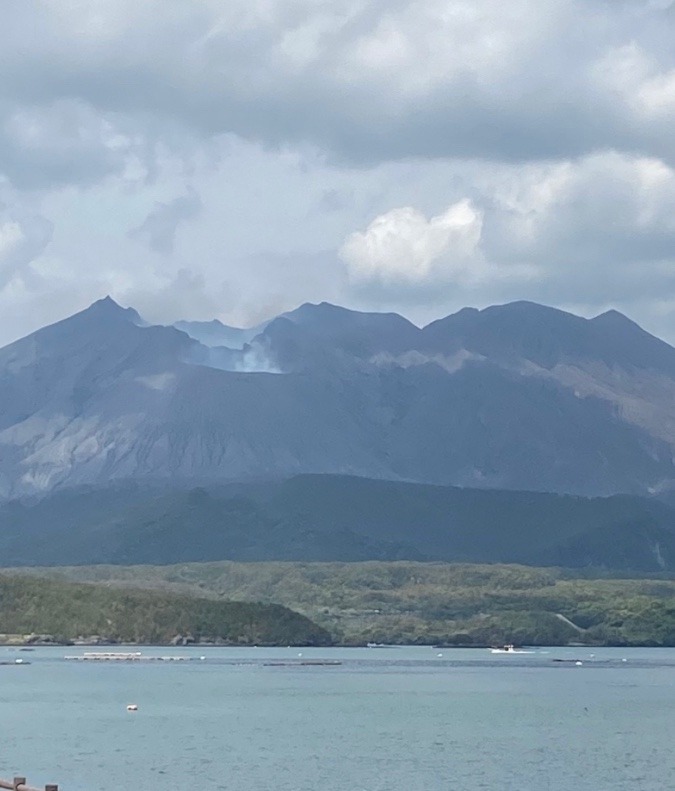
(385, 719)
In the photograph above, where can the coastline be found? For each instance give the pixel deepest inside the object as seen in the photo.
(29, 642)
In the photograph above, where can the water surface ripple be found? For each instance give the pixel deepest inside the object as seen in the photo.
(385, 719)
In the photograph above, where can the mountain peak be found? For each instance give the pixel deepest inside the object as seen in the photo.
(109, 308)
(336, 314)
(613, 318)
(524, 309)
(315, 310)
(100, 316)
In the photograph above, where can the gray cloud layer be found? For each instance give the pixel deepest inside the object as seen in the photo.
(360, 80)
(414, 154)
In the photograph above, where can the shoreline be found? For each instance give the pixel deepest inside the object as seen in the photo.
(30, 645)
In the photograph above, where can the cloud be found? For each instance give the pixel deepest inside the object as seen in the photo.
(184, 293)
(158, 230)
(607, 214)
(67, 142)
(403, 246)
(646, 87)
(597, 230)
(23, 237)
(414, 155)
(361, 81)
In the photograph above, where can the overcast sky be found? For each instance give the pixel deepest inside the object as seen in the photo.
(201, 158)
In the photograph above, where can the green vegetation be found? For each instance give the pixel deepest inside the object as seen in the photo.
(409, 602)
(333, 518)
(67, 611)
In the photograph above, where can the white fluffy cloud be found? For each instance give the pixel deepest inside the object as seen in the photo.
(404, 246)
(591, 232)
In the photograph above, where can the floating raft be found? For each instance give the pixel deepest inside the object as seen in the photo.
(307, 663)
(137, 656)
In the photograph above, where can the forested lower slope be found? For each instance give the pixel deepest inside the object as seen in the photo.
(337, 518)
(66, 611)
(437, 603)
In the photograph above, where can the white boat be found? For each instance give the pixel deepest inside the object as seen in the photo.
(509, 649)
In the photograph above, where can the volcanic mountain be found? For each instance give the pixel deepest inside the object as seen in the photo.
(516, 396)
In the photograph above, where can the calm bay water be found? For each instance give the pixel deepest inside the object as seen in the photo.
(386, 719)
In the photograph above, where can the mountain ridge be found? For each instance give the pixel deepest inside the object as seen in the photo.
(518, 396)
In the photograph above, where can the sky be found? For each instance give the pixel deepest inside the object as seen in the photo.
(201, 159)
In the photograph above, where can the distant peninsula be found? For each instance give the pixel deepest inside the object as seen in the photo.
(36, 611)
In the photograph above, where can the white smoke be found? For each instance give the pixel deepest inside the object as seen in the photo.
(255, 360)
(252, 359)
(410, 359)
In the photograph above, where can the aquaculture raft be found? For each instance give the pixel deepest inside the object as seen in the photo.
(137, 656)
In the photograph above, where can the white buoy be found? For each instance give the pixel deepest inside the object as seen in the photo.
(439, 654)
(578, 663)
(300, 654)
(132, 707)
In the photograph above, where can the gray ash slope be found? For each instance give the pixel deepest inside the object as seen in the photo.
(518, 396)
